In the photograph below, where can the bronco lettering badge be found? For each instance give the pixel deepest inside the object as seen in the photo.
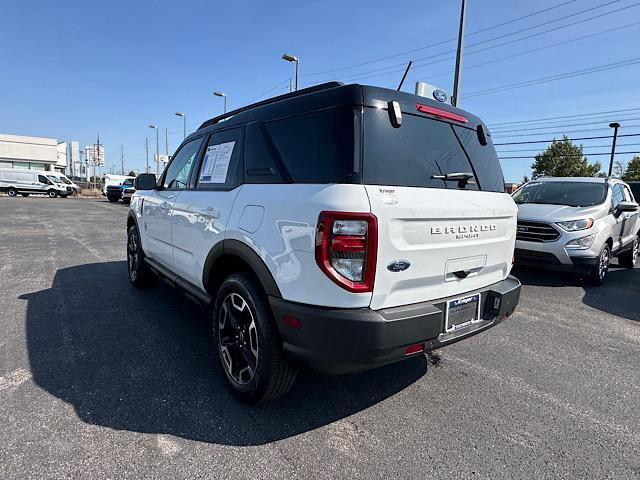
(464, 231)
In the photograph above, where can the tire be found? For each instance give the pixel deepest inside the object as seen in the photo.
(247, 342)
(12, 192)
(140, 275)
(112, 198)
(126, 201)
(628, 259)
(599, 274)
(64, 195)
(52, 193)
(24, 194)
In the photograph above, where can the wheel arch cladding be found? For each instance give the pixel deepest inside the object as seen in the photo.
(231, 256)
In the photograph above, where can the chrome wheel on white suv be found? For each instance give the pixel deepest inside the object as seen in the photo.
(599, 273)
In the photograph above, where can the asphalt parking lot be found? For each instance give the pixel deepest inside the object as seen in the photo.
(98, 380)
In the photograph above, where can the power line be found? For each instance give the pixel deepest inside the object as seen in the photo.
(545, 127)
(552, 132)
(366, 74)
(425, 47)
(553, 78)
(269, 91)
(562, 117)
(571, 139)
(585, 146)
(546, 47)
(570, 155)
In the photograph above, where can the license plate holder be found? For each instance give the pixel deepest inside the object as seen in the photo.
(461, 312)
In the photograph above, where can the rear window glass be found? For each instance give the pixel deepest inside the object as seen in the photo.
(421, 148)
(311, 148)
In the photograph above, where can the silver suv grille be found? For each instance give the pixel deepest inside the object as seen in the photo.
(536, 232)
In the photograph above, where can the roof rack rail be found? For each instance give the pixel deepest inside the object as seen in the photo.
(304, 91)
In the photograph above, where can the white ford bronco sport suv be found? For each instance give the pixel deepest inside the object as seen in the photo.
(340, 227)
(577, 224)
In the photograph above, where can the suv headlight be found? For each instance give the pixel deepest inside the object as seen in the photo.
(575, 225)
(581, 243)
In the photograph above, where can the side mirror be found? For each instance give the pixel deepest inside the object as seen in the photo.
(145, 181)
(626, 207)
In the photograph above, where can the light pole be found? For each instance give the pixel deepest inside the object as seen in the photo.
(155, 127)
(223, 95)
(615, 127)
(458, 72)
(293, 58)
(184, 124)
(146, 149)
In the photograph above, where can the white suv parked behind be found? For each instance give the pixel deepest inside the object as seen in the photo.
(577, 224)
(338, 227)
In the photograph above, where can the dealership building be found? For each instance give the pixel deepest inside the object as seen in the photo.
(38, 153)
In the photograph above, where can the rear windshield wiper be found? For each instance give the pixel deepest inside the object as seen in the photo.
(463, 178)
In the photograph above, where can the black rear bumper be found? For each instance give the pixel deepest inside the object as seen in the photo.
(336, 341)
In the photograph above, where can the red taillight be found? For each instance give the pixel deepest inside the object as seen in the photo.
(441, 113)
(347, 247)
(411, 349)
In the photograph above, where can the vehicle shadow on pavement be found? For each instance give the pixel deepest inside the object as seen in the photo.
(620, 295)
(142, 361)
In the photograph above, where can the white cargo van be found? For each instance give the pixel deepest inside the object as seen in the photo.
(27, 182)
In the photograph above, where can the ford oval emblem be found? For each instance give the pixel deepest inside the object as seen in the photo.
(440, 95)
(398, 265)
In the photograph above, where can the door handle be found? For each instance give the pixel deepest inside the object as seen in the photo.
(210, 212)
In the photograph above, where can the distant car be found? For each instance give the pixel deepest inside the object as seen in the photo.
(577, 224)
(115, 192)
(127, 191)
(111, 179)
(61, 178)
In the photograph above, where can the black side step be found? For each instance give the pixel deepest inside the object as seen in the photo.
(176, 281)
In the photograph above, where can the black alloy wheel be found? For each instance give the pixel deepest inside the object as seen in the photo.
(238, 339)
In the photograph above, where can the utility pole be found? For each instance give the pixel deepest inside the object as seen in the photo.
(615, 127)
(166, 143)
(122, 158)
(146, 149)
(458, 73)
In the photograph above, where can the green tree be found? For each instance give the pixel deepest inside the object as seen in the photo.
(563, 159)
(525, 179)
(618, 169)
(132, 173)
(633, 170)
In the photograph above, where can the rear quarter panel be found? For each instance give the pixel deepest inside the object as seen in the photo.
(285, 236)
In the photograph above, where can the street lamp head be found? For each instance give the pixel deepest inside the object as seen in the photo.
(290, 58)
(614, 125)
(179, 114)
(153, 126)
(220, 94)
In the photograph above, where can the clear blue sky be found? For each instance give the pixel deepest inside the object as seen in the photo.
(73, 68)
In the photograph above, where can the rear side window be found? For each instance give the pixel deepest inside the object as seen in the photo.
(421, 148)
(312, 148)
